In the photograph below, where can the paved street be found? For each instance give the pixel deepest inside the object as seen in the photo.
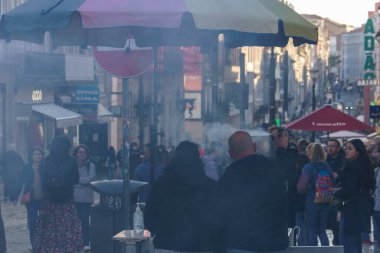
(17, 234)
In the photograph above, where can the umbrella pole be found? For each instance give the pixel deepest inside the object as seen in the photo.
(272, 88)
(126, 177)
(153, 127)
(242, 90)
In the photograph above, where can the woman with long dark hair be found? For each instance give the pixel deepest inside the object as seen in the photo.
(358, 184)
(58, 226)
(176, 209)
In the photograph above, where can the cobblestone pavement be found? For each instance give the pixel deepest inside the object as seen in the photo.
(17, 234)
(15, 223)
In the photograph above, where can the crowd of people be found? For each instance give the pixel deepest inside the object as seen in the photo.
(253, 200)
(228, 199)
(56, 193)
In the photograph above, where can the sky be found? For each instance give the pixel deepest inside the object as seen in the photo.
(349, 12)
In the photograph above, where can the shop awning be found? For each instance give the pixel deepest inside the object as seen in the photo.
(62, 116)
(104, 115)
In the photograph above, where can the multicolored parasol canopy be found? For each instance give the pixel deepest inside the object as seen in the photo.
(158, 22)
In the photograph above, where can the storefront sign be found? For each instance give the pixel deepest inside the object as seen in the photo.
(37, 95)
(369, 47)
(374, 112)
(86, 94)
(367, 82)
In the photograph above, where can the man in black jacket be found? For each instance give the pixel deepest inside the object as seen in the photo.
(249, 206)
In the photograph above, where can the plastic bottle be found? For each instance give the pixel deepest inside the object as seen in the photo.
(138, 221)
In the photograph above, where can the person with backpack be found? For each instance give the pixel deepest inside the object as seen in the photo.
(58, 227)
(83, 194)
(316, 181)
(358, 184)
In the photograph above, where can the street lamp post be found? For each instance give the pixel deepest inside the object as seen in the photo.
(313, 74)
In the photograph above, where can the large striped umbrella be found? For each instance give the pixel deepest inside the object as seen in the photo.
(158, 22)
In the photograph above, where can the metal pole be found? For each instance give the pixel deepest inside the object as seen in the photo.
(126, 175)
(272, 88)
(153, 127)
(215, 80)
(313, 107)
(141, 112)
(286, 84)
(242, 90)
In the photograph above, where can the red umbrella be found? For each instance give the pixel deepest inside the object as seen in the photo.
(328, 119)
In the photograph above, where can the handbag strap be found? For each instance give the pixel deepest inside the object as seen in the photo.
(350, 199)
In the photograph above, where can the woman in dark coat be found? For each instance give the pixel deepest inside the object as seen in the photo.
(58, 226)
(176, 209)
(358, 184)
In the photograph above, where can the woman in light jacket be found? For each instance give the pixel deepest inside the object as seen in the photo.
(32, 194)
(83, 194)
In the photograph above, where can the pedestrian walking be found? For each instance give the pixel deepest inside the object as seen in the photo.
(248, 211)
(335, 159)
(177, 208)
(143, 173)
(215, 161)
(300, 219)
(58, 226)
(358, 184)
(83, 194)
(111, 162)
(11, 163)
(289, 168)
(32, 194)
(316, 181)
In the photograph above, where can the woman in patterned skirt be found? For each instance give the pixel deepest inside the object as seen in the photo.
(58, 228)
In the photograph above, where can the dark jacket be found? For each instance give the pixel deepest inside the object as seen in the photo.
(142, 173)
(249, 206)
(302, 160)
(3, 243)
(27, 174)
(11, 163)
(336, 164)
(357, 209)
(59, 175)
(176, 211)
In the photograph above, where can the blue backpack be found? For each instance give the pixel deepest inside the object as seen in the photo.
(323, 187)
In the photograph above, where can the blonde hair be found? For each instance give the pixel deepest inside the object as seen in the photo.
(316, 152)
